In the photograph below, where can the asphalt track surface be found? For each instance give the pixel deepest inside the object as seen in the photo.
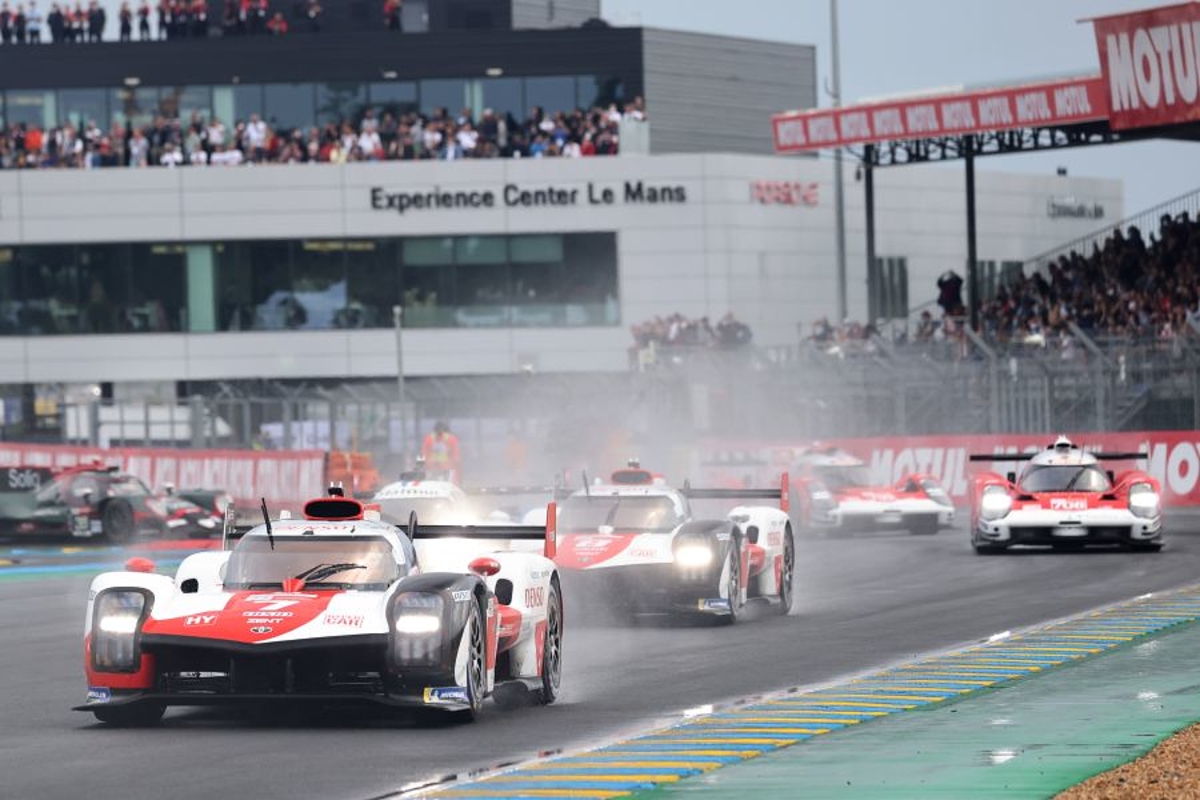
(863, 601)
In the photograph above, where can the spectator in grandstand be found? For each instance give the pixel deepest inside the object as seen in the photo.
(34, 21)
(6, 24)
(143, 17)
(277, 26)
(97, 17)
(392, 15)
(19, 24)
(125, 20)
(258, 14)
(314, 13)
(949, 286)
(56, 23)
(441, 453)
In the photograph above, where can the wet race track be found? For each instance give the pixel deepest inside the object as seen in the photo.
(862, 601)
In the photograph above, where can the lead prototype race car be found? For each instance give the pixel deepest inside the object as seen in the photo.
(1064, 499)
(835, 491)
(336, 608)
(634, 545)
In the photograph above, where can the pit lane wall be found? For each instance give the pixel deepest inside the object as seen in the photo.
(284, 478)
(1173, 457)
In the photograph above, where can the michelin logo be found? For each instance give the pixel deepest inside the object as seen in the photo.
(98, 694)
(714, 604)
(446, 694)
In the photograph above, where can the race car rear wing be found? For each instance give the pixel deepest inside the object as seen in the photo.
(556, 491)
(1117, 456)
(779, 493)
(546, 533)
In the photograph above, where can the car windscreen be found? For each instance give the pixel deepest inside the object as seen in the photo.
(1069, 478)
(429, 510)
(127, 486)
(653, 514)
(368, 561)
(844, 477)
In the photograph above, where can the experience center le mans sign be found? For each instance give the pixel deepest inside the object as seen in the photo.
(513, 195)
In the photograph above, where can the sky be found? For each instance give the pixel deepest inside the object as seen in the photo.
(897, 46)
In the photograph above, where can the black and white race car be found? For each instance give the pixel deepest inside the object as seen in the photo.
(635, 544)
(337, 607)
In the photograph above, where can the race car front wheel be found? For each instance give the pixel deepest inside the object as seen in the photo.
(552, 646)
(117, 521)
(131, 716)
(733, 584)
(787, 575)
(476, 677)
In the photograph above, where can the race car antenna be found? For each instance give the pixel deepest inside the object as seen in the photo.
(267, 522)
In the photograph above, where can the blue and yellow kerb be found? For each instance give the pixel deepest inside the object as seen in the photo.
(729, 736)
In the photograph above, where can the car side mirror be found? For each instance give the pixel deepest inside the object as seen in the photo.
(1112, 477)
(1012, 477)
(752, 534)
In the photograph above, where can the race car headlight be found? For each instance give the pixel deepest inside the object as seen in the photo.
(995, 503)
(693, 556)
(117, 618)
(417, 619)
(1144, 502)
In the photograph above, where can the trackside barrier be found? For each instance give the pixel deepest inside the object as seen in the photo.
(1173, 457)
(283, 477)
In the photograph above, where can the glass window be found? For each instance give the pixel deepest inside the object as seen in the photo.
(269, 265)
(398, 97)
(550, 94)
(156, 296)
(10, 293)
(588, 91)
(318, 283)
(429, 251)
(601, 91)
(46, 282)
(134, 107)
(247, 100)
(104, 284)
(79, 106)
(503, 96)
(288, 105)
(31, 107)
(235, 287)
(188, 104)
(372, 283)
(448, 93)
(338, 102)
(536, 248)
(480, 250)
(888, 289)
(590, 279)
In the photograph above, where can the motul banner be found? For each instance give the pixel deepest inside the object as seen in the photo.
(1061, 102)
(1150, 64)
(1173, 457)
(282, 477)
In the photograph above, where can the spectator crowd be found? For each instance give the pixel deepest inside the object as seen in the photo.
(23, 23)
(391, 136)
(677, 330)
(1126, 288)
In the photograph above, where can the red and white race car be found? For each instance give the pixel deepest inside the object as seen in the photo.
(1064, 499)
(338, 607)
(634, 545)
(834, 490)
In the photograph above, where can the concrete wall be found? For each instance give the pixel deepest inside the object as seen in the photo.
(720, 250)
(711, 94)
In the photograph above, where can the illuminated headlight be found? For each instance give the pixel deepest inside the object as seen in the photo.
(1144, 501)
(417, 621)
(116, 618)
(693, 556)
(995, 503)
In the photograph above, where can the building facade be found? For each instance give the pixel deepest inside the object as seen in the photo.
(292, 272)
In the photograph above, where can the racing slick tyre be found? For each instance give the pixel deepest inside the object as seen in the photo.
(552, 646)
(1146, 547)
(733, 584)
(787, 575)
(133, 716)
(117, 521)
(476, 670)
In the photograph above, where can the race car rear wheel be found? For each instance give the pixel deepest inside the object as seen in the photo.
(131, 716)
(787, 575)
(117, 521)
(733, 584)
(552, 646)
